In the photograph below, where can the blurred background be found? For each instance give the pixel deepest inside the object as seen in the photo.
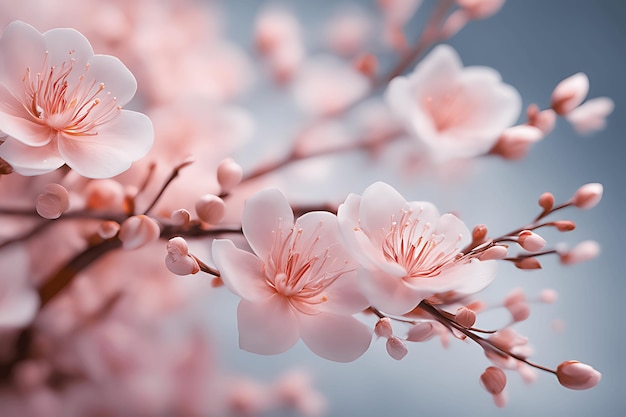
(534, 44)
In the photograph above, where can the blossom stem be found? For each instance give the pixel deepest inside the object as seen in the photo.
(484, 343)
(171, 178)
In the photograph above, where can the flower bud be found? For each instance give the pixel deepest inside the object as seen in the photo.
(211, 209)
(465, 317)
(528, 263)
(396, 348)
(366, 64)
(493, 380)
(178, 259)
(137, 231)
(531, 241)
(588, 196)
(543, 120)
(180, 217)
(229, 174)
(577, 375)
(479, 233)
(421, 332)
(520, 311)
(383, 328)
(569, 93)
(564, 225)
(583, 252)
(104, 194)
(515, 141)
(53, 201)
(108, 229)
(546, 201)
(494, 252)
(591, 116)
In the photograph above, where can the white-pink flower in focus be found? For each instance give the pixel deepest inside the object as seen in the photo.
(453, 111)
(300, 282)
(61, 104)
(408, 250)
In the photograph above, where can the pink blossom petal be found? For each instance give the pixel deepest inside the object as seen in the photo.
(21, 47)
(389, 293)
(323, 228)
(64, 43)
(265, 214)
(443, 64)
(117, 79)
(344, 296)
(335, 337)
(380, 205)
(15, 121)
(269, 327)
(591, 115)
(18, 309)
(452, 228)
(467, 278)
(119, 142)
(242, 272)
(27, 160)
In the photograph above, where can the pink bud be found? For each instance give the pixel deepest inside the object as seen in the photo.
(108, 229)
(494, 252)
(211, 209)
(548, 296)
(465, 317)
(564, 225)
(588, 196)
(180, 217)
(396, 348)
(583, 252)
(366, 64)
(178, 259)
(569, 93)
(515, 296)
(137, 231)
(577, 375)
(546, 201)
(229, 174)
(528, 263)
(543, 120)
(398, 12)
(515, 141)
(53, 201)
(531, 241)
(480, 9)
(105, 194)
(383, 328)
(493, 380)
(421, 332)
(479, 233)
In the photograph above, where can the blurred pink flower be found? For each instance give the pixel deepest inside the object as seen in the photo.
(300, 282)
(19, 302)
(60, 103)
(409, 252)
(454, 112)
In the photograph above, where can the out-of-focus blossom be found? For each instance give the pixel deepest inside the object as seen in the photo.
(588, 196)
(299, 283)
(452, 111)
(348, 30)
(493, 380)
(514, 142)
(53, 201)
(569, 93)
(591, 115)
(408, 250)
(480, 9)
(326, 85)
(137, 231)
(60, 104)
(583, 252)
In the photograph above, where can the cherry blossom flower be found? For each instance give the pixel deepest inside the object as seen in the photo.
(299, 283)
(454, 112)
(409, 252)
(61, 104)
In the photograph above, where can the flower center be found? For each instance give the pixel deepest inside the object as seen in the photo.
(61, 99)
(297, 268)
(410, 244)
(447, 111)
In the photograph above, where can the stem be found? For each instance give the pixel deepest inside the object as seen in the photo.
(171, 178)
(484, 343)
